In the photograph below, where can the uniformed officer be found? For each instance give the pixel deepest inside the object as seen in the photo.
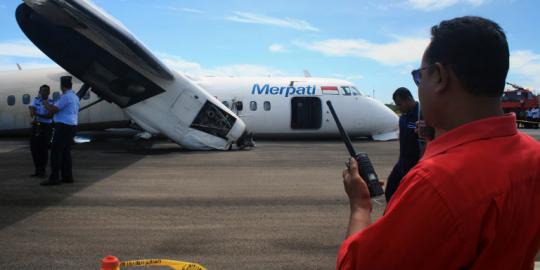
(536, 117)
(409, 150)
(41, 131)
(530, 113)
(65, 112)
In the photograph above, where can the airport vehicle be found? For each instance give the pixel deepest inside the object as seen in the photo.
(519, 100)
(197, 113)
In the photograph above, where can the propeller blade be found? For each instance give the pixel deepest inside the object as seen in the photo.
(84, 89)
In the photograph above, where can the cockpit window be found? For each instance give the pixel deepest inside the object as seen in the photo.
(345, 90)
(355, 91)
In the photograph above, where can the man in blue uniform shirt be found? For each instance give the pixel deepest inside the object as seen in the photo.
(41, 131)
(65, 111)
(409, 152)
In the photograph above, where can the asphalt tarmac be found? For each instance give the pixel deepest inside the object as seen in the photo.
(280, 206)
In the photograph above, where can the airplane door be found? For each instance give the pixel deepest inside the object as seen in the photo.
(306, 113)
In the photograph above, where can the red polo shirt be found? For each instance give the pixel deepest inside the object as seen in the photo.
(472, 202)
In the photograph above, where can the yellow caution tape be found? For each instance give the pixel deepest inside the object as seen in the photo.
(177, 265)
(525, 121)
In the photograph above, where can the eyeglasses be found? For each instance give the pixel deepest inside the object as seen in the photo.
(417, 76)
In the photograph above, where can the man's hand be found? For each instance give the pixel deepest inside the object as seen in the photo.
(359, 199)
(356, 187)
(51, 108)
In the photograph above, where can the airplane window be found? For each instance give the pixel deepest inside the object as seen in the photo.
(239, 105)
(56, 96)
(345, 90)
(253, 105)
(26, 99)
(11, 100)
(87, 95)
(226, 103)
(267, 105)
(355, 91)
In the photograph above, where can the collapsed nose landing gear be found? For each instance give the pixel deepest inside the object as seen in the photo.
(245, 141)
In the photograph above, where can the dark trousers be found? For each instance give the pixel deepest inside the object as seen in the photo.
(61, 152)
(528, 124)
(393, 181)
(39, 145)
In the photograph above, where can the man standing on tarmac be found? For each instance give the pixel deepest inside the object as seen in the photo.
(472, 201)
(409, 151)
(65, 111)
(41, 131)
(535, 115)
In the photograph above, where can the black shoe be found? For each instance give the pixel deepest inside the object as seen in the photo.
(50, 183)
(67, 181)
(38, 175)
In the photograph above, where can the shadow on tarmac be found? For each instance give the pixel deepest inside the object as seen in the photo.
(21, 195)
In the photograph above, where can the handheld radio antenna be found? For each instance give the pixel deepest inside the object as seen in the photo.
(344, 135)
(365, 169)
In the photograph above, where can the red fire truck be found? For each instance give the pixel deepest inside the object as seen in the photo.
(519, 100)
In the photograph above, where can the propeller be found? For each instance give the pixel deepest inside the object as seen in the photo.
(82, 92)
(84, 89)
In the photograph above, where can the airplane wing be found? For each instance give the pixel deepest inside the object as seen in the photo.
(93, 47)
(99, 51)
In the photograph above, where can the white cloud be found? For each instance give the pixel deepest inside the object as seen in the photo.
(403, 50)
(246, 17)
(20, 48)
(245, 70)
(430, 5)
(192, 10)
(235, 70)
(277, 48)
(25, 65)
(349, 77)
(527, 65)
(173, 8)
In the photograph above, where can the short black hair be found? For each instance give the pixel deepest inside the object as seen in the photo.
(45, 87)
(402, 93)
(65, 81)
(476, 50)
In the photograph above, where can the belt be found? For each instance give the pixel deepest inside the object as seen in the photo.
(42, 124)
(62, 124)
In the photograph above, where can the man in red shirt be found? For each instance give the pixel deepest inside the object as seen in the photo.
(473, 200)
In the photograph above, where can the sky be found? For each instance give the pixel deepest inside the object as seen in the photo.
(374, 43)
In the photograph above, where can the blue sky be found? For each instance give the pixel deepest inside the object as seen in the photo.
(374, 44)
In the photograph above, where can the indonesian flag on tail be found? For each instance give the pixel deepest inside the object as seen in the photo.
(330, 90)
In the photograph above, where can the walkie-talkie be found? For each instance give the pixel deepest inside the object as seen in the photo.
(365, 168)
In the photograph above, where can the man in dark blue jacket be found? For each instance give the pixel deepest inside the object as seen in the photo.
(409, 152)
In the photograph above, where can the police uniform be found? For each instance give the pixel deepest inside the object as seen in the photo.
(530, 113)
(41, 137)
(65, 124)
(409, 151)
(535, 117)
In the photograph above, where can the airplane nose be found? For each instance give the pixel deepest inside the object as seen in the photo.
(388, 121)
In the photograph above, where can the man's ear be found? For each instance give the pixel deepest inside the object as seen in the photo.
(443, 76)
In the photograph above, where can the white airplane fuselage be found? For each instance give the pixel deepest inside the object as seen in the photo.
(22, 87)
(296, 107)
(270, 107)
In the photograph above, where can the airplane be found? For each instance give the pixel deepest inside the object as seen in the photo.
(198, 113)
(278, 107)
